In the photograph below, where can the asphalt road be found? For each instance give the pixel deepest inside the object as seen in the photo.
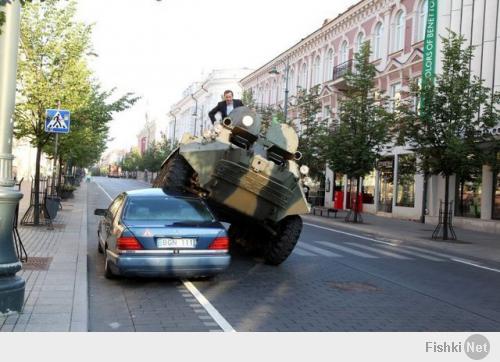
(332, 282)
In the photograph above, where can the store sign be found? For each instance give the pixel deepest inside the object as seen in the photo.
(430, 40)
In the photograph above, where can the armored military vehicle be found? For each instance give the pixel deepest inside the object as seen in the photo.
(250, 177)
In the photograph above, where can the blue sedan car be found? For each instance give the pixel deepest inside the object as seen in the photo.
(152, 233)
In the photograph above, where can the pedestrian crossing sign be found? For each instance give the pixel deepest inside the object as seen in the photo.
(57, 121)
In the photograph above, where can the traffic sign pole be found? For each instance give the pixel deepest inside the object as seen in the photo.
(53, 188)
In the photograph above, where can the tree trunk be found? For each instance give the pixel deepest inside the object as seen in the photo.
(59, 177)
(446, 198)
(424, 198)
(358, 185)
(36, 207)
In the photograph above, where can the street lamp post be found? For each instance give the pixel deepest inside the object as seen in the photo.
(287, 69)
(11, 285)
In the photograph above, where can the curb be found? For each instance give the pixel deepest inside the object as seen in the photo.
(79, 317)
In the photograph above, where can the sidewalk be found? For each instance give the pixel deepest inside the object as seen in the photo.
(469, 244)
(56, 272)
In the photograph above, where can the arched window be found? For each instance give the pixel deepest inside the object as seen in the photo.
(303, 76)
(359, 41)
(343, 52)
(292, 85)
(422, 20)
(316, 71)
(266, 95)
(399, 31)
(377, 40)
(329, 65)
(274, 92)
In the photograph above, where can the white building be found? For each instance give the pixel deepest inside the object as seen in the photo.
(190, 113)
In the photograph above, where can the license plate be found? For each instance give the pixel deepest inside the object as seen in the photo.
(187, 243)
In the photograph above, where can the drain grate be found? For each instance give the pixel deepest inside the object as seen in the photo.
(37, 263)
(354, 287)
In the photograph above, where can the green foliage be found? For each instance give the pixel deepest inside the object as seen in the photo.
(353, 147)
(152, 158)
(248, 100)
(312, 130)
(448, 132)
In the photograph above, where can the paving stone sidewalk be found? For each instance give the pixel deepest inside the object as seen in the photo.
(469, 244)
(56, 288)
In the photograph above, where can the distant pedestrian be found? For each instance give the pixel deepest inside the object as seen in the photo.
(226, 106)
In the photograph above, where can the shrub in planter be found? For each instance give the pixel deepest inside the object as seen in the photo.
(67, 191)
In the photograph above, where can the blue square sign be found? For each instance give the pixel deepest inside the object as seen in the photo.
(57, 121)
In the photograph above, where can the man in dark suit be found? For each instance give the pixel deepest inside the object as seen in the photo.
(226, 106)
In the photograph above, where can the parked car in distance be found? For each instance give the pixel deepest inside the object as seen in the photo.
(152, 233)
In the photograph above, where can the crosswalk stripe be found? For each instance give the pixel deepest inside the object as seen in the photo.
(376, 250)
(301, 252)
(414, 253)
(435, 253)
(318, 250)
(347, 250)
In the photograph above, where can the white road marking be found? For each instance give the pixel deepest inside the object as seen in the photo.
(104, 191)
(379, 251)
(413, 253)
(476, 265)
(216, 316)
(318, 250)
(346, 250)
(435, 253)
(297, 250)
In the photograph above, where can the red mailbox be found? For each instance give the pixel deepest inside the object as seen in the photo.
(338, 200)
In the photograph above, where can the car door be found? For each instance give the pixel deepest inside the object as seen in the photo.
(108, 232)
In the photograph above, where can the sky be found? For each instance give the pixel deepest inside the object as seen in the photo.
(156, 49)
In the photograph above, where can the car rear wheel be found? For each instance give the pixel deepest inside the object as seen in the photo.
(280, 246)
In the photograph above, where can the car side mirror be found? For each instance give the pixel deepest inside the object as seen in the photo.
(100, 212)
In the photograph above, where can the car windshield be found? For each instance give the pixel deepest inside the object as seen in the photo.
(166, 209)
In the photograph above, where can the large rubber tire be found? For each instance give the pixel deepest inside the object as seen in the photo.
(279, 247)
(176, 174)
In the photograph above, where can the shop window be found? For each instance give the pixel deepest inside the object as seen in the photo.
(468, 194)
(385, 167)
(496, 197)
(405, 186)
(368, 188)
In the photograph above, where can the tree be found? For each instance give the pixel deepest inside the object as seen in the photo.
(450, 128)
(52, 68)
(311, 130)
(352, 147)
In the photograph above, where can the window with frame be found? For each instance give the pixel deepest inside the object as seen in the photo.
(496, 195)
(468, 194)
(303, 76)
(316, 71)
(368, 188)
(395, 95)
(359, 41)
(329, 65)
(291, 82)
(343, 52)
(377, 40)
(405, 186)
(399, 31)
(422, 20)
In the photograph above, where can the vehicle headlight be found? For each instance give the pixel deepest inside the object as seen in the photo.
(218, 128)
(247, 121)
(304, 170)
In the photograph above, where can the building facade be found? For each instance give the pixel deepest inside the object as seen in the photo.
(190, 113)
(396, 32)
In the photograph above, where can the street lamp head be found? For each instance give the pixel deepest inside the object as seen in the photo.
(274, 71)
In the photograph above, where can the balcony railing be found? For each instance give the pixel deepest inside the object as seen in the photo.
(340, 70)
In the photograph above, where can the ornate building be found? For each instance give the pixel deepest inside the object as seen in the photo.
(396, 32)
